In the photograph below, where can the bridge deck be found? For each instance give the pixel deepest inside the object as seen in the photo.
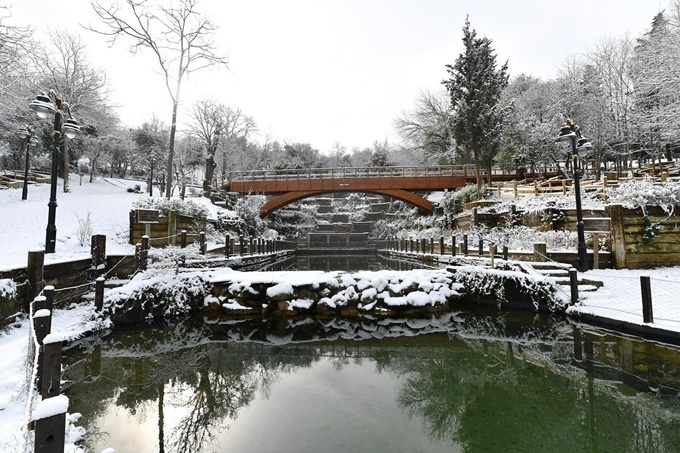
(358, 179)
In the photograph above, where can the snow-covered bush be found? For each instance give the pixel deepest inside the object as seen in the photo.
(154, 294)
(8, 289)
(164, 205)
(497, 283)
(640, 193)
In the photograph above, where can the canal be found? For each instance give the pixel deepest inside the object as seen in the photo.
(473, 380)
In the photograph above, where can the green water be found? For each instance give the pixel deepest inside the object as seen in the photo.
(482, 381)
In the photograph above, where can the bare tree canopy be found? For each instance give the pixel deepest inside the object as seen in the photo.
(179, 36)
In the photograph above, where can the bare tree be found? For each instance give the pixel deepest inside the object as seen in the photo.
(178, 36)
(208, 122)
(427, 126)
(64, 67)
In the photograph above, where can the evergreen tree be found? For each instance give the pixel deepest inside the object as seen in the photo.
(475, 86)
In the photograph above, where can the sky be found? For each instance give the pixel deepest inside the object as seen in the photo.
(339, 72)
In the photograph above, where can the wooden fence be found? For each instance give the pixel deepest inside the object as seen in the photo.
(167, 230)
(642, 241)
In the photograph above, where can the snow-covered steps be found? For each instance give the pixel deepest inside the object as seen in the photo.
(560, 272)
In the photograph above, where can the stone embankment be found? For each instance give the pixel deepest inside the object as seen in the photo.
(336, 293)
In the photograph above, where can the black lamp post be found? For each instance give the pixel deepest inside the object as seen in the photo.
(44, 106)
(26, 134)
(570, 131)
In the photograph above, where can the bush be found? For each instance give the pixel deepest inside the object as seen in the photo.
(165, 205)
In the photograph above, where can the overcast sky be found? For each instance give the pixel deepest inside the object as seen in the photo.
(327, 71)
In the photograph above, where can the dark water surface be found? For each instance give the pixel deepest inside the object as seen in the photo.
(472, 381)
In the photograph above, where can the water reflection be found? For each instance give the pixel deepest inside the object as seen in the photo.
(484, 381)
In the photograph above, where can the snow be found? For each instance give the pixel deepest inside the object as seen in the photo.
(50, 407)
(108, 204)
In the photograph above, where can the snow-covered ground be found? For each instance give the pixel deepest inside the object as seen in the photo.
(107, 202)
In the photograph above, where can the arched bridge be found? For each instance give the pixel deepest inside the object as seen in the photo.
(292, 185)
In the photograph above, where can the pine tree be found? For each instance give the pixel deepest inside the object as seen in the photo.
(475, 86)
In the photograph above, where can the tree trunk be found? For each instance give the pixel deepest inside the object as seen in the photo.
(171, 150)
(209, 172)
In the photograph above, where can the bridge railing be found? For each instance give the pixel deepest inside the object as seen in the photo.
(361, 172)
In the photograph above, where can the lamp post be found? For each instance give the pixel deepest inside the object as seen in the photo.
(44, 106)
(26, 134)
(572, 132)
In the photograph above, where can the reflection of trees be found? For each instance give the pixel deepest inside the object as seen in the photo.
(495, 385)
(487, 396)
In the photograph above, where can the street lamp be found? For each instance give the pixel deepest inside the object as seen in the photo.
(44, 106)
(28, 137)
(572, 132)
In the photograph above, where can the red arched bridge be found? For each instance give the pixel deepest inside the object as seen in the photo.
(292, 185)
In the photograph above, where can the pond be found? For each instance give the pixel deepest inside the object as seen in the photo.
(477, 380)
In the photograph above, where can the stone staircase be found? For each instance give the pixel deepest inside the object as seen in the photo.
(560, 272)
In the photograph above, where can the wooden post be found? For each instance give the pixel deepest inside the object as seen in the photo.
(51, 366)
(432, 246)
(250, 247)
(441, 245)
(50, 429)
(596, 250)
(172, 227)
(492, 253)
(241, 245)
(35, 274)
(480, 247)
(573, 285)
(138, 256)
(465, 244)
(183, 239)
(505, 253)
(514, 188)
(232, 246)
(564, 187)
(99, 294)
(48, 292)
(540, 252)
(453, 245)
(646, 287)
(98, 252)
(202, 245)
(618, 236)
(42, 324)
(144, 253)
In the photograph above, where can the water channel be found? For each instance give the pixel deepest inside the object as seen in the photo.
(474, 380)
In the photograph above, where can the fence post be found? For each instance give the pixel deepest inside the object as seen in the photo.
(492, 253)
(250, 246)
(505, 253)
(144, 253)
(35, 274)
(465, 245)
(50, 429)
(480, 247)
(138, 256)
(573, 285)
(646, 287)
(232, 243)
(99, 294)
(42, 324)
(51, 366)
(432, 246)
(183, 239)
(540, 252)
(172, 227)
(241, 245)
(202, 245)
(596, 251)
(98, 251)
(441, 245)
(453, 245)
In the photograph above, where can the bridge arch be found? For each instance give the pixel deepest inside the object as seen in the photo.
(291, 197)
